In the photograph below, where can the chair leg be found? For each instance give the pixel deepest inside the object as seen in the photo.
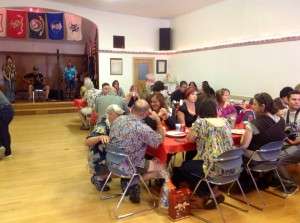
(284, 195)
(259, 194)
(109, 196)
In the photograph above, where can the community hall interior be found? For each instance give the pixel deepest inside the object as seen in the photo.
(247, 46)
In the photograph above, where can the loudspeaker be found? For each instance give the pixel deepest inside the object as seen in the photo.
(119, 42)
(165, 39)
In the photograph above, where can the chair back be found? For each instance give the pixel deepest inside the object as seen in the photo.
(248, 112)
(230, 159)
(114, 157)
(269, 151)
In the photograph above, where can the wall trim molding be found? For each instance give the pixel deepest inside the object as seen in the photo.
(208, 48)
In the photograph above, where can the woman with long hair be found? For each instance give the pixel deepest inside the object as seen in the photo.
(120, 91)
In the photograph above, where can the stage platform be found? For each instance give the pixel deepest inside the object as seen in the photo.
(25, 107)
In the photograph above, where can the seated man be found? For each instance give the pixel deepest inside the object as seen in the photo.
(96, 142)
(35, 81)
(131, 134)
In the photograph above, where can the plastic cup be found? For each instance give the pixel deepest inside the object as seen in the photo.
(178, 126)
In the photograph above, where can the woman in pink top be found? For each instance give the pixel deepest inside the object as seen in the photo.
(224, 107)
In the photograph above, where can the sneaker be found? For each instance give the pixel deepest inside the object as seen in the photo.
(99, 184)
(134, 193)
(2, 152)
(290, 190)
(275, 185)
(85, 128)
(210, 204)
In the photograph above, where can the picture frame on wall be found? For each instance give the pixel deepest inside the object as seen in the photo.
(116, 66)
(161, 66)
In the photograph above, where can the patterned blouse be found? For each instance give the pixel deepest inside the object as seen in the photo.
(90, 96)
(132, 135)
(211, 142)
(10, 70)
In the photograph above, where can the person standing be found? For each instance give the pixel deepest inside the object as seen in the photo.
(70, 73)
(9, 77)
(6, 116)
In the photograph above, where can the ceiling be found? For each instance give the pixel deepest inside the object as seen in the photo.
(161, 9)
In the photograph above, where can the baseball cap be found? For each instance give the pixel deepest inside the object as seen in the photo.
(35, 68)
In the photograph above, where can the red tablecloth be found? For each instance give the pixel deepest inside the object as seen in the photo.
(79, 103)
(170, 145)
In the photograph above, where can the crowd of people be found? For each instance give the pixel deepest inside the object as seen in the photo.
(140, 118)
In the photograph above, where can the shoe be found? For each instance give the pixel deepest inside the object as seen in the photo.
(8, 156)
(198, 202)
(275, 185)
(2, 152)
(85, 128)
(99, 184)
(134, 193)
(30, 99)
(124, 183)
(210, 204)
(290, 190)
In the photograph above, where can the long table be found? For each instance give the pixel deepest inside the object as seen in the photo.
(171, 145)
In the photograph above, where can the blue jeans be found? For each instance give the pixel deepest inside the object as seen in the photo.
(195, 167)
(69, 82)
(10, 89)
(6, 115)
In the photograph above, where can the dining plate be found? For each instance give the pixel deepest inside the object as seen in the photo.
(238, 131)
(176, 134)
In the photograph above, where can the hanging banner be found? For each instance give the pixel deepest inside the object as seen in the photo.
(73, 27)
(16, 23)
(36, 23)
(2, 22)
(55, 25)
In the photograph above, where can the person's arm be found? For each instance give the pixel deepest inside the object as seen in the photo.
(96, 139)
(293, 142)
(181, 117)
(4, 73)
(191, 137)
(25, 79)
(246, 138)
(159, 126)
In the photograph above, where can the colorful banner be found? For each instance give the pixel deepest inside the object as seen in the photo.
(36, 23)
(73, 27)
(2, 22)
(16, 23)
(55, 25)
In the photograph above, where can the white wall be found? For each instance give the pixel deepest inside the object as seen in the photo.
(244, 70)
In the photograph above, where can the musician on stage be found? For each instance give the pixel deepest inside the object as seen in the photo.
(9, 77)
(35, 81)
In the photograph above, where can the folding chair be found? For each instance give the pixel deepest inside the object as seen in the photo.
(115, 156)
(248, 112)
(231, 164)
(268, 156)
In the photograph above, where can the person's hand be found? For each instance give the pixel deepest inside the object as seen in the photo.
(163, 113)
(153, 115)
(104, 139)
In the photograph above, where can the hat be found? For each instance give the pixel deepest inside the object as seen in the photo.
(277, 103)
(189, 91)
(114, 108)
(35, 68)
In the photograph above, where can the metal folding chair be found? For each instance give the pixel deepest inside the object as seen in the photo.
(231, 163)
(38, 95)
(115, 156)
(248, 112)
(268, 156)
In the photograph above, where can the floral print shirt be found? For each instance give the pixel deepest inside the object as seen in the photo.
(90, 96)
(132, 135)
(9, 70)
(211, 142)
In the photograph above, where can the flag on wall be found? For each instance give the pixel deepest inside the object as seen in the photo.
(55, 25)
(36, 23)
(2, 22)
(16, 23)
(73, 27)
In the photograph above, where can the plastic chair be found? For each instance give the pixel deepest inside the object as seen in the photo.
(114, 156)
(231, 163)
(38, 95)
(269, 156)
(248, 112)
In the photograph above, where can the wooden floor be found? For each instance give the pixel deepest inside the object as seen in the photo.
(46, 180)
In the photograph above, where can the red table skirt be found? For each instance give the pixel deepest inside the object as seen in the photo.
(79, 103)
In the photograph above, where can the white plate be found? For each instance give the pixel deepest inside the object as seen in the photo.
(238, 131)
(176, 134)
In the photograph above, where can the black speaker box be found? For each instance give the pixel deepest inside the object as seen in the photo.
(165, 39)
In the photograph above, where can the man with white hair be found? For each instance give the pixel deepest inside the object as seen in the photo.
(96, 143)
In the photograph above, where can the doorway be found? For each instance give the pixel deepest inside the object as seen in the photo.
(142, 67)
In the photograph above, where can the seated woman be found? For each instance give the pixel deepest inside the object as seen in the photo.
(120, 91)
(213, 137)
(132, 96)
(193, 84)
(188, 114)
(89, 96)
(158, 104)
(267, 127)
(224, 107)
(205, 92)
(159, 87)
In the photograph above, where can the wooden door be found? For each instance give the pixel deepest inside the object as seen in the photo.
(142, 67)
